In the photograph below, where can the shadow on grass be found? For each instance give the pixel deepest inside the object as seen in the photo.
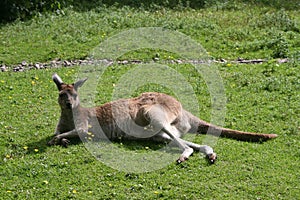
(131, 145)
(41, 145)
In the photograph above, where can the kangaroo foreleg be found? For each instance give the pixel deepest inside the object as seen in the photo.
(62, 138)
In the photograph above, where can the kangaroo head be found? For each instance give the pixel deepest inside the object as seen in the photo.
(68, 96)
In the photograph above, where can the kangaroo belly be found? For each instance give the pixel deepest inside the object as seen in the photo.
(141, 117)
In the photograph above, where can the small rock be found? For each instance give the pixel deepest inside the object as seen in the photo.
(30, 67)
(24, 63)
(124, 62)
(37, 65)
(53, 64)
(155, 59)
(285, 60)
(178, 61)
(18, 69)
(74, 62)
(133, 61)
(3, 68)
(67, 63)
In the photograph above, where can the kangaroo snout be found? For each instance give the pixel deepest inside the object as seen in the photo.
(66, 100)
(68, 104)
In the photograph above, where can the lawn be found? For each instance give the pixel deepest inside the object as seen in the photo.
(259, 97)
(246, 31)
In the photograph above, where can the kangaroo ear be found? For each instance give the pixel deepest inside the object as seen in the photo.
(57, 80)
(79, 83)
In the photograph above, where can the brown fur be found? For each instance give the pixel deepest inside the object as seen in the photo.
(151, 115)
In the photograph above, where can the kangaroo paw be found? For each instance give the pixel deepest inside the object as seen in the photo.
(54, 141)
(64, 142)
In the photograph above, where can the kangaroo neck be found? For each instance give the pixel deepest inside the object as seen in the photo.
(69, 113)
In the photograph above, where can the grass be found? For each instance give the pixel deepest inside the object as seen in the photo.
(247, 31)
(30, 169)
(260, 98)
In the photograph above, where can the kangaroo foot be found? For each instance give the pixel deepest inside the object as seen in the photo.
(181, 159)
(212, 158)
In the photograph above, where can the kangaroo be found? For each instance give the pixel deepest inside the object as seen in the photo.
(152, 115)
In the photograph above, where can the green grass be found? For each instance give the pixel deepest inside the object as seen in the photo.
(247, 31)
(260, 98)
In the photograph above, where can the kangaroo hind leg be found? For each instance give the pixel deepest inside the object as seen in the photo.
(171, 131)
(205, 149)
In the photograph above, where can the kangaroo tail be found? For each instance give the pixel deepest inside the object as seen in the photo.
(207, 128)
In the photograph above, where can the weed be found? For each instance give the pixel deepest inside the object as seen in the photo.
(278, 19)
(279, 46)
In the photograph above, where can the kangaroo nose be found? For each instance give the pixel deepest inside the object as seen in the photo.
(68, 104)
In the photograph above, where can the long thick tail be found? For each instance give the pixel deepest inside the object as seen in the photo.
(203, 127)
(207, 128)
